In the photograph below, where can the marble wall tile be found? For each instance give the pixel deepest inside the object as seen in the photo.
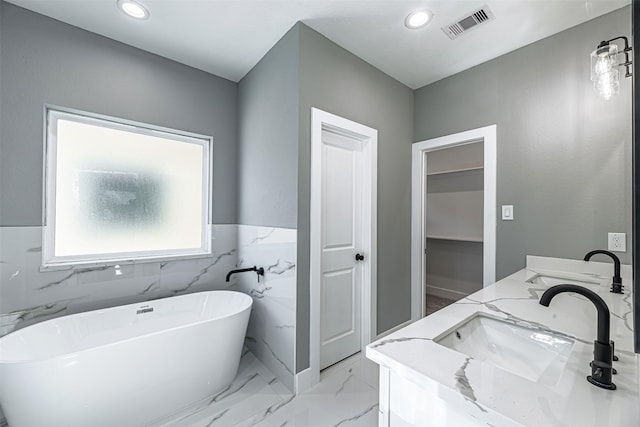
(26, 294)
(29, 295)
(189, 275)
(271, 332)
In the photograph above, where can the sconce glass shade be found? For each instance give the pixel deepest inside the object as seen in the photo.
(604, 71)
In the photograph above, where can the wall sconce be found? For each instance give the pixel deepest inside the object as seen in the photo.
(604, 67)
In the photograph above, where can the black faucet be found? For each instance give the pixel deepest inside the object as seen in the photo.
(602, 365)
(259, 271)
(616, 286)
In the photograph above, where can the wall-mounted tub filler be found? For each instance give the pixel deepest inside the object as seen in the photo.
(602, 364)
(259, 271)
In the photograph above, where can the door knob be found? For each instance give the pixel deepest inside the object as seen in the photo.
(359, 257)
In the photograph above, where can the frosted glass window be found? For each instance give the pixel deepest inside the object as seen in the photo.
(118, 190)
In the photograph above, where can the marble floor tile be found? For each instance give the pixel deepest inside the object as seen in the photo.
(233, 412)
(363, 368)
(347, 396)
(343, 398)
(323, 410)
(254, 389)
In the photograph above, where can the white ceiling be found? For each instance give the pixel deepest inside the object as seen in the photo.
(228, 37)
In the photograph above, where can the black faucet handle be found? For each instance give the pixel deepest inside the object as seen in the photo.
(602, 365)
(601, 373)
(616, 288)
(613, 370)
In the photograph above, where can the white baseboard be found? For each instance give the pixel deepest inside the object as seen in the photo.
(392, 330)
(445, 293)
(302, 381)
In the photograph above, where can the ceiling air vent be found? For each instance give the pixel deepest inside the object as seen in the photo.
(469, 22)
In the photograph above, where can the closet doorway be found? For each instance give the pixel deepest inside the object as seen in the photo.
(453, 218)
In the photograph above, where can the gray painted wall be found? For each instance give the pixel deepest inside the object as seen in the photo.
(268, 137)
(336, 81)
(46, 61)
(564, 156)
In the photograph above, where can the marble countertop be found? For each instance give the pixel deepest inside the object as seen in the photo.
(500, 398)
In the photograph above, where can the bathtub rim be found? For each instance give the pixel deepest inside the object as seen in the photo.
(73, 354)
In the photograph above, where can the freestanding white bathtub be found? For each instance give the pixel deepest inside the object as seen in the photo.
(122, 366)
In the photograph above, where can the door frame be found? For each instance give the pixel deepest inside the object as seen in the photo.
(487, 135)
(322, 120)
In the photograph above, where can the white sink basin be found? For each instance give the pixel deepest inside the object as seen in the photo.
(551, 280)
(522, 349)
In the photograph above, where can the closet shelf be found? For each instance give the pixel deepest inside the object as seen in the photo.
(475, 168)
(456, 238)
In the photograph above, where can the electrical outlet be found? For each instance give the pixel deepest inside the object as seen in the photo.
(617, 242)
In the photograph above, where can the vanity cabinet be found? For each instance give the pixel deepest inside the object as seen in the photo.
(403, 403)
(454, 220)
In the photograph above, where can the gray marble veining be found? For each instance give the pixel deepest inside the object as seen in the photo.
(232, 389)
(463, 385)
(204, 271)
(357, 416)
(344, 383)
(264, 233)
(275, 355)
(217, 417)
(272, 323)
(273, 409)
(627, 315)
(259, 292)
(154, 285)
(462, 382)
(281, 267)
(72, 274)
(396, 340)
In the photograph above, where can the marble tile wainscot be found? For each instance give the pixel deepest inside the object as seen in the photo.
(271, 332)
(424, 383)
(28, 295)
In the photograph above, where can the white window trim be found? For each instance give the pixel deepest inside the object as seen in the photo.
(50, 262)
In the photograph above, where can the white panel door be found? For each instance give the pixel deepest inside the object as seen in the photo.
(341, 240)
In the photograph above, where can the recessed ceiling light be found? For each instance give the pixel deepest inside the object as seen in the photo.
(418, 19)
(133, 9)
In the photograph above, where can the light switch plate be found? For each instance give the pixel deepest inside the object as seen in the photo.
(507, 212)
(617, 242)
